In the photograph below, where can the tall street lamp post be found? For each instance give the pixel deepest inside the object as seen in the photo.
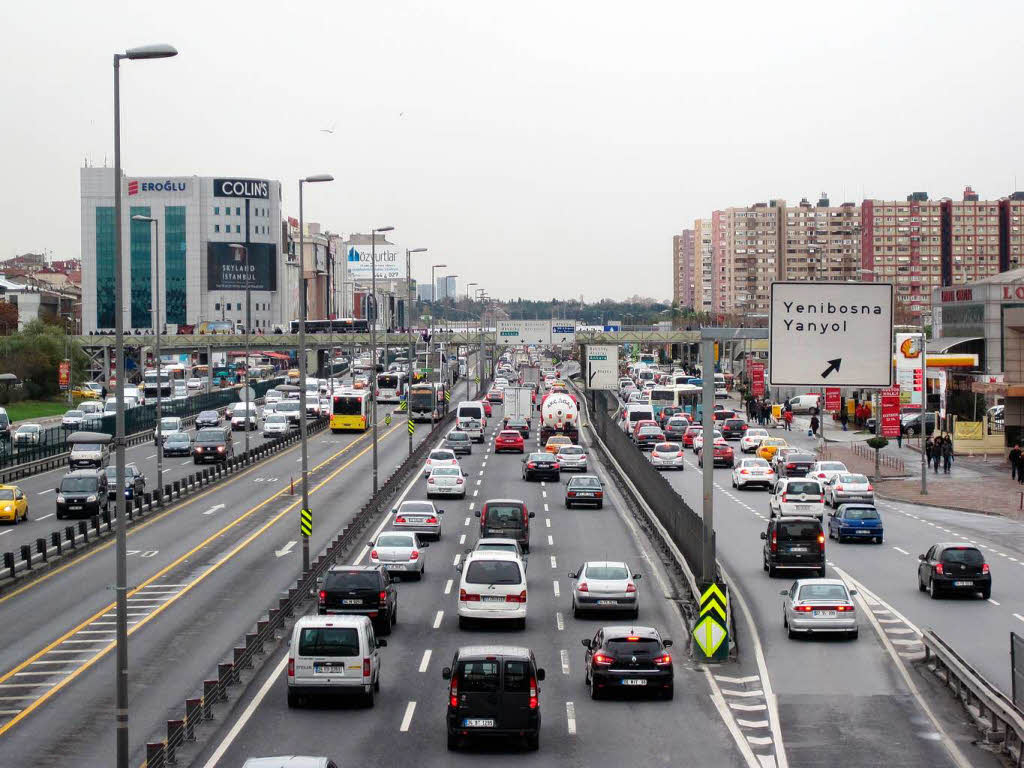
(433, 323)
(156, 351)
(241, 252)
(408, 331)
(320, 177)
(160, 51)
(373, 344)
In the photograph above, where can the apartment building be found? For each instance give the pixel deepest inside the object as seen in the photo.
(753, 247)
(683, 268)
(705, 286)
(1011, 240)
(822, 242)
(970, 239)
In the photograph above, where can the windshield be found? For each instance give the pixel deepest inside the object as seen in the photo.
(209, 436)
(73, 415)
(6, 494)
(662, 396)
(607, 572)
(178, 437)
(78, 485)
(86, 447)
(493, 572)
(277, 418)
(586, 481)
(287, 406)
(441, 455)
(209, 415)
(860, 513)
(329, 641)
(853, 479)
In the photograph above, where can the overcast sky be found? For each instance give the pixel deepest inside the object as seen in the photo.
(537, 148)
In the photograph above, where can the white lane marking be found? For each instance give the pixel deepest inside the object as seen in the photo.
(559, 622)
(564, 654)
(479, 481)
(48, 490)
(284, 550)
(458, 557)
(481, 472)
(570, 717)
(45, 516)
(407, 720)
(471, 505)
(544, 494)
(448, 586)
(555, 585)
(425, 661)
(190, 461)
(737, 680)
(759, 741)
(547, 521)
(4, 533)
(753, 723)
(993, 601)
(437, 619)
(901, 550)
(213, 509)
(744, 694)
(462, 539)
(475, 494)
(483, 464)
(554, 564)
(1018, 616)
(467, 521)
(543, 484)
(546, 509)
(551, 541)
(748, 707)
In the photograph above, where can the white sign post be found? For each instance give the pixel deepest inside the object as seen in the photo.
(830, 334)
(563, 332)
(602, 371)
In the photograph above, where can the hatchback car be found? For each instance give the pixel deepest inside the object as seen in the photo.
(446, 481)
(768, 446)
(492, 587)
(752, 438)
(628, 658)
(649, 436)
(819, 606)
(458, 442)
(178, 444)
(496, 396)
(134, 481)
(668, 456)
(603, 585)
(419, 516)
(439, 457)
(795, 464)
(276, 425)
(797, 496)
(540, 466)
(793, 543)
(733, 429)
(848, 488)
(571, 457)
(72, 419)
(210, 418)
(749, 472)
(676, 427)
(399, 552)
(362, 590)
(584, 489)
(13, 504)
(722, 454)
(950, 568)
(860, 522)
(509, 440)
(691, 434)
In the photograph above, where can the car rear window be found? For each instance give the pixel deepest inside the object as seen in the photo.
(585, 482)
(485, 545)
(395, 540)
(493, 572)
(854, 479)
(417, 507)
(504, 513)
(801, 457)
(571, 450)
(965, 555)
(509, 433)
(734, 422)
(337, 580)
(607, 572)
(644, 646)
(803, 487)
(441, 455)
(823, 592)
(831, 466)
(794, 530)
(329, 641)
(478, 676)
(666, 447)
(458, 437)
(517, 677)
(446, 471)
(861, 513)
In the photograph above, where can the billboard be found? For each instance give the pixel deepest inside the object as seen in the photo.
(909, 374)
(226, 271)
(389, 257)
(890, 407)
(833, 399)
(757, 378)
(64, 374)
(602, 370)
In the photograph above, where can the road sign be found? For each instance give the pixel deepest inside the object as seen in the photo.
(426, 370)
(387, 420)
(403, 406)
(602, 366)
(447, 395)
(563, 332)
(242, 393)
(711, 633)
(514, 332)
(306, 522)
(412, 427)
(837, 334)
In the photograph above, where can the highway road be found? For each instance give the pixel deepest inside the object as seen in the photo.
(407, 723)
(201, 572)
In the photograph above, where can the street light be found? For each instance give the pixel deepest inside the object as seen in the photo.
(302, 359)
(159, 51)
(241, 252)
(373, 343)
(156, 330)
(408, 332)
(446, 278)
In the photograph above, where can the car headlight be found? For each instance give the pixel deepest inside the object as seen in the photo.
(60, 499)
(8, 508)
(90, 499)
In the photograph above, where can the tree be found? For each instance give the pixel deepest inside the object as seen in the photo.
(34, 354)
(8, 318)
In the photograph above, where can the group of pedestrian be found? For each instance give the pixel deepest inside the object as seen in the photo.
(759, 411)
(1017, 464)
(940, 451)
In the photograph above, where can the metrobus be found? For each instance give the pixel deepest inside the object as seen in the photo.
(349, 411)
(149, 383)
(338, 325)
(391, 387)
(648, 358)
(217, 327)
(683, 396)
(427, 401)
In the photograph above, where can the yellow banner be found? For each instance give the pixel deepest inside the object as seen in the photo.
(969, 430)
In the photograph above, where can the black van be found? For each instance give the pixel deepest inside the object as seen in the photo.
(494, 691)
(82, 493)
(794, 543)
(507, 519)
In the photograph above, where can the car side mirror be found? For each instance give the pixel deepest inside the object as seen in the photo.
(394, 511)
(922, 558)
(533, 514)
(424, 545)
(459, 567)
(477, 513)
(440, 511)
(56, 490)
(853, 592)
(784, 593)
(572, 575)
(586, 643)
(764, 535)
(541, 674)
(369, 543)
(667, 643)
(380, 642)
(637, 576)
(446, 673)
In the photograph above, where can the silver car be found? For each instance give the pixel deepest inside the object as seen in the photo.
(572, 457)
(446, 481)
(841, 489)
(72, 419)
(399, 552)
(28, 434)
(168, 426)
(497, 544)
(419, 516)
(439, 457)
(813, 606)
(603, 585)
(276, 425)
(668, 456)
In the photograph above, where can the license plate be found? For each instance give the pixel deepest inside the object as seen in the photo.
(802, 506)
(415, 519)
(825, 614)
(397, 566)
(493, 599)
(634, 681)
(607, 602)
(471, 722)
(863, 531)
(74, 506)
(329, 668)
(585, 493)
(351, 602)
(963, 583)
(798, 549)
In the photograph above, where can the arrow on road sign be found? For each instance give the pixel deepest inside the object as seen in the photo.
(709, 635)
(285, 549)
(833, 365)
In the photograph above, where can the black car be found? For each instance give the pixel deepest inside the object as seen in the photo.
(621, 658)
(584, 489)
(541, 466)
(213, 444)
(364, 590)
(794, 543)
(82, 493)
(493, 691)
(733, 429)
(208, 419)
(134, 481)
(648, 437)
(796, 464)
(947, 568)
(178, 444)
(522, 426)
(912, 423)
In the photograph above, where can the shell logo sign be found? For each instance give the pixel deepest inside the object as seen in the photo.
(910, 348)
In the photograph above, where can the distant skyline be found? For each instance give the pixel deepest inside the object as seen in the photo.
(537, 149)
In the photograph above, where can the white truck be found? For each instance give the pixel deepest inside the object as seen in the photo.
(518, 403)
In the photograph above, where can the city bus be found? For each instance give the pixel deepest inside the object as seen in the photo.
(390, 387)
(685, 396)
(349, 411)
(426, 401)
(149, 383)
(338, 325)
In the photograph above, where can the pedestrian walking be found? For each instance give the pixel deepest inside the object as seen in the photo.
(929, 446)
(787, 419)
(1020, 467)
(947, 455)
(899, 436)
(814, 425)
(843, 418)
(1013, 458)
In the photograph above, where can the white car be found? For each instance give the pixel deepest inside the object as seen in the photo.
(276, 425)
(439, 457)
(797, 496)
(333, 654)
(698, 440)
(169, 425)
(399, 551)
(668, 456)
(446, 481)
(273, 396)
(194, 383)
(72, 419)
(238, 417)
(823, 471)
(493, 586)
(752, 439)
(749, 472)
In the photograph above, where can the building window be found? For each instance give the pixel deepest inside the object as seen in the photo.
(216, 210)
(175, 262)
(238, 211)
(238, 228)
(216, 227)
(105, 267)
(141, 272)
(238, 306)
(216, 307)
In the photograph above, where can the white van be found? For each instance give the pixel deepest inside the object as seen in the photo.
(635, 412)
(333, 654)
(471, 409)
(493, 586)
(805, 404)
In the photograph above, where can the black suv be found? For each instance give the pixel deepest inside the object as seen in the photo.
(134, 481)
(796, 464)
(494, 690)
(365, 590)
(794, 543)
(628, 657)
(82, 493)
(954, 568)
(207, 419)
(213, 444)
(733, 429)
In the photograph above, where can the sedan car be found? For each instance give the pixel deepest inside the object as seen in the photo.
(555, 443)
(439, 457)
(538, 466)
(855, 521)
(28, 434)
(178, 444)
(572, 457)
(446, 481)
(752, 438)
(498, 544)
(276, 425)
(722, 454)
(845, 488)
(458, 442)
(733, 429)
(194, 383)
(823, 471)
(419, 517)
(509, 440)
(72, 419)
(691, 434)
(584, 489)
(495, 396)
(208, 419)
(648, 437)
(794, 464)
(668, 456)
(676, 427)
(522, 426)
(819, 606)
(628, 658)
(768, 446)
(603, 585)
(749, 472)
(13, 504)
(948, 568)
(134, 481)
(399, 552)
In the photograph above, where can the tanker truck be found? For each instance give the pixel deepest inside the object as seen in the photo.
(559, 415)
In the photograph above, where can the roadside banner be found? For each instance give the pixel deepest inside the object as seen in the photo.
(64, 374)
(832, 399)
(890, 412)
(757, 378)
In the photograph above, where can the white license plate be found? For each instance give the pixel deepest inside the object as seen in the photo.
(416, 520)
(798, 549)
(825, 614)
(963, 583)
(73, 506)
(329, 669)
(351, 602)
(490, 599)
(585, 493)
(863, 530)
(607, 602)
(471, 722)
(397, 566)
(634, 681)
(802, 506)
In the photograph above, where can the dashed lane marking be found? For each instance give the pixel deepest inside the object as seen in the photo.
(425, 661)
(467, 521)
(554, 563)
(570, 717)
(448, 586)
(458, 557)
(555, 585)
(559, 622)
(407, 719)
(564, 655)
(437, 619)
(462, 539)
(551, 541)
(547, 521)
(748, 707)
(901, 550)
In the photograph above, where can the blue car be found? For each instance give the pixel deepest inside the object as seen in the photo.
(855, 521)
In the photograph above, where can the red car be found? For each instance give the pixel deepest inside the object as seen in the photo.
(509, 440)
(723, 455)
(643, 423)
(690, 433)
(487, 408)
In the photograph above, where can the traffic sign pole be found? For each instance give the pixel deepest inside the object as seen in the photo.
(711, 632)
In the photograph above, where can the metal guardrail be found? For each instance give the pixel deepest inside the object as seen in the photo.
(1001, 722)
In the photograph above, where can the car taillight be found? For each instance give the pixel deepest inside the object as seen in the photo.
(570, 493)
(430, 480)
(582, 587)
(791, 465)
(784, 497)
(526, 517)
(373, 554)
(802, 608)
(664, 660)
(400, 519)
(323, 596)
(679, 455)
(453, 694)
(844, 608)
(466, 597)
(383, 596)
(531, 465)
(775, 542)
(598, 494)
(938, 568)
(291, 667)
(839, 487)
(602, 658)
(984, 568)
(821, 541)
(871, 487)
(415, 555)
(631, 588)
(821, 499)
(520, 598)
(366, 667)
(459, 481)
(556, 465)
(533, 693)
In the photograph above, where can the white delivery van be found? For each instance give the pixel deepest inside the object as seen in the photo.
(333, 654)
(471, 409)
(635, 412)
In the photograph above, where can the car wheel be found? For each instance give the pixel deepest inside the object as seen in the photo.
(376, 683)
(576, 612)
(600, 505)
(771, 571)
(521, 623)
(595, 692)
(668, 693)
(368, 698)
(60, 515)
(878, 540)
(764, 562)
(533, 741)
(790, 633)
(853, 634)
(933, 591)
(823, 571)
(463, 622)
(986, 593)
(734, 483)
(384, 629)
(636, 613)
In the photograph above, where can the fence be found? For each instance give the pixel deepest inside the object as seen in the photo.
(892, 462)
(684, 525)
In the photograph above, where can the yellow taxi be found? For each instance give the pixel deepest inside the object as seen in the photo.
(555, 442)
(766, 450)
(13, 504)
(84, 393)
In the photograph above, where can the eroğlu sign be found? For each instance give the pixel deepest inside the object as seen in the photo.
(254, 188)
(815, 326)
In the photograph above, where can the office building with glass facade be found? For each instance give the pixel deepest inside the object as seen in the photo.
(202, 278)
